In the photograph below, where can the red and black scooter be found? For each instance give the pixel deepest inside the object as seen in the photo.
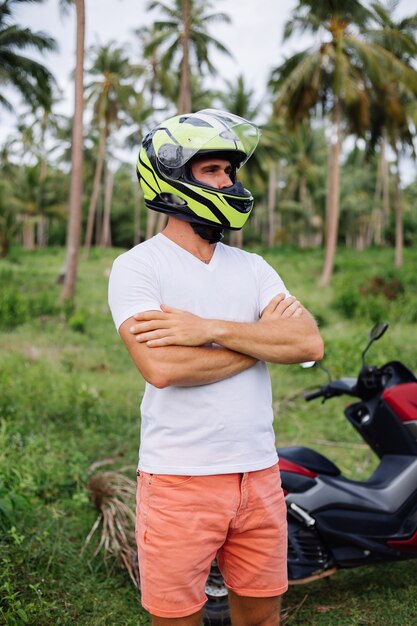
(335, 522)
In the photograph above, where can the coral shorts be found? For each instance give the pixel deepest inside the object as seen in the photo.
(184, 522)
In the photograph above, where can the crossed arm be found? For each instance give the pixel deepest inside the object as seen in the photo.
(285, 333)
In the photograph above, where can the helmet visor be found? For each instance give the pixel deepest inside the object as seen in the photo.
(210, 130)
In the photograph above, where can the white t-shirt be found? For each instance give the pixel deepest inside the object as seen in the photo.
(217, 428)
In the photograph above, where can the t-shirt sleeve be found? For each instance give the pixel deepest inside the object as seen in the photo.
(270, 283)
(133, 288)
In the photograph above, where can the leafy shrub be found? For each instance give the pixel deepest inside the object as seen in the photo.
(408, 310)
(384, 296)
(374, 308)
(23, 298)
(12, 505)
(347, 300)
(77, 322)
(13, 309)
(390, 287)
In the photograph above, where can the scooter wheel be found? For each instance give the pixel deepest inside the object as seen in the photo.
(216, 610)
(216, 613)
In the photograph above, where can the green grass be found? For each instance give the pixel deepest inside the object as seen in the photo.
(69, 396)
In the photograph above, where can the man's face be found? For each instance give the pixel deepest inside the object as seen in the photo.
(212, 172)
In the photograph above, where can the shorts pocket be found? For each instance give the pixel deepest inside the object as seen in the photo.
(274, 469)
(169, 480)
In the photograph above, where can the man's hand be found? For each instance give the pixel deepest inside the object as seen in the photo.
(174, 327)
(281, 307)
(171, 327)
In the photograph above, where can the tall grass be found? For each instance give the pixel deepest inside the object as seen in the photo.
(70, 395)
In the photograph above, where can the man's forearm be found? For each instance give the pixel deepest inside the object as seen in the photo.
(273, 338)
(283, 341)
(184, 366)
(191, 366)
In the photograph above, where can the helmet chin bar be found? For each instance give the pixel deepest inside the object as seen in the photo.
(212, 234)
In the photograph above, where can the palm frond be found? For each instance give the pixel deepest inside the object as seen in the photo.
(113, 495)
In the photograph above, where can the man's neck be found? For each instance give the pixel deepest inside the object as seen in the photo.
(181, 233)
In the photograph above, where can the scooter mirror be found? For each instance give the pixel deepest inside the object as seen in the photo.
(378, 330)
(376, 333)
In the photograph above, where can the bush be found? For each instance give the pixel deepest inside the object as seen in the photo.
(19, 305)
(77, 322)
(347, 300)
(13, 309)
(384, 296)
(389, 287)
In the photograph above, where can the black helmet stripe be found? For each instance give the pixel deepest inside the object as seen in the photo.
(207, 203)
(153, 174)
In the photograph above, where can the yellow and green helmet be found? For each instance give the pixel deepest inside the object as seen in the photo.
(164, 167)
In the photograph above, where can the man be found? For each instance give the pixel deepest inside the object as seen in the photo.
(200, 320)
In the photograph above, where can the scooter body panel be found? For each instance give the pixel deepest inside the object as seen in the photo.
(335, 522)
(393, 482)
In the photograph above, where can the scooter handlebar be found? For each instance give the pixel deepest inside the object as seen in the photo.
(341, 387)
(314, 395)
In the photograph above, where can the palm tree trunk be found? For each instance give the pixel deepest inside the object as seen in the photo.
(137, 217)
(303, 193)
(236, 238)
(333, 198)
(74, 218)
(399, 234)
(98, 227)
(184, 99)
(382, 194)
(150, 224)
(42, 231)
(162, 222)
(28, 233)
(4, 245)
(272, 200)
(377, 215)
(385, 182)
(96, 190)
(43, 172)
(106, 232)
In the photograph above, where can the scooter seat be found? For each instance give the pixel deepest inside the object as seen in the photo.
(310, 459)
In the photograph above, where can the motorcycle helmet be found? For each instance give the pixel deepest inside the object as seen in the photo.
(165, 176)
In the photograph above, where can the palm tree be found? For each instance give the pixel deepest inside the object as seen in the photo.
(48, 123)
(110, 93)
(9, 208)
(30, 78)
(394, 103)
(239, 98)
(158, 82)
(36, 127)
(358, 223)
(184, 35)
(74, 215)
(303, 155)
(336, 76)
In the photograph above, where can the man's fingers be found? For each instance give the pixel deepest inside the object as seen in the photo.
(170, 309)
(287, 302)
(159, 343)
(149, 315)
(152, 335)
(291, 308)
(153, 324)
(272, 305)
